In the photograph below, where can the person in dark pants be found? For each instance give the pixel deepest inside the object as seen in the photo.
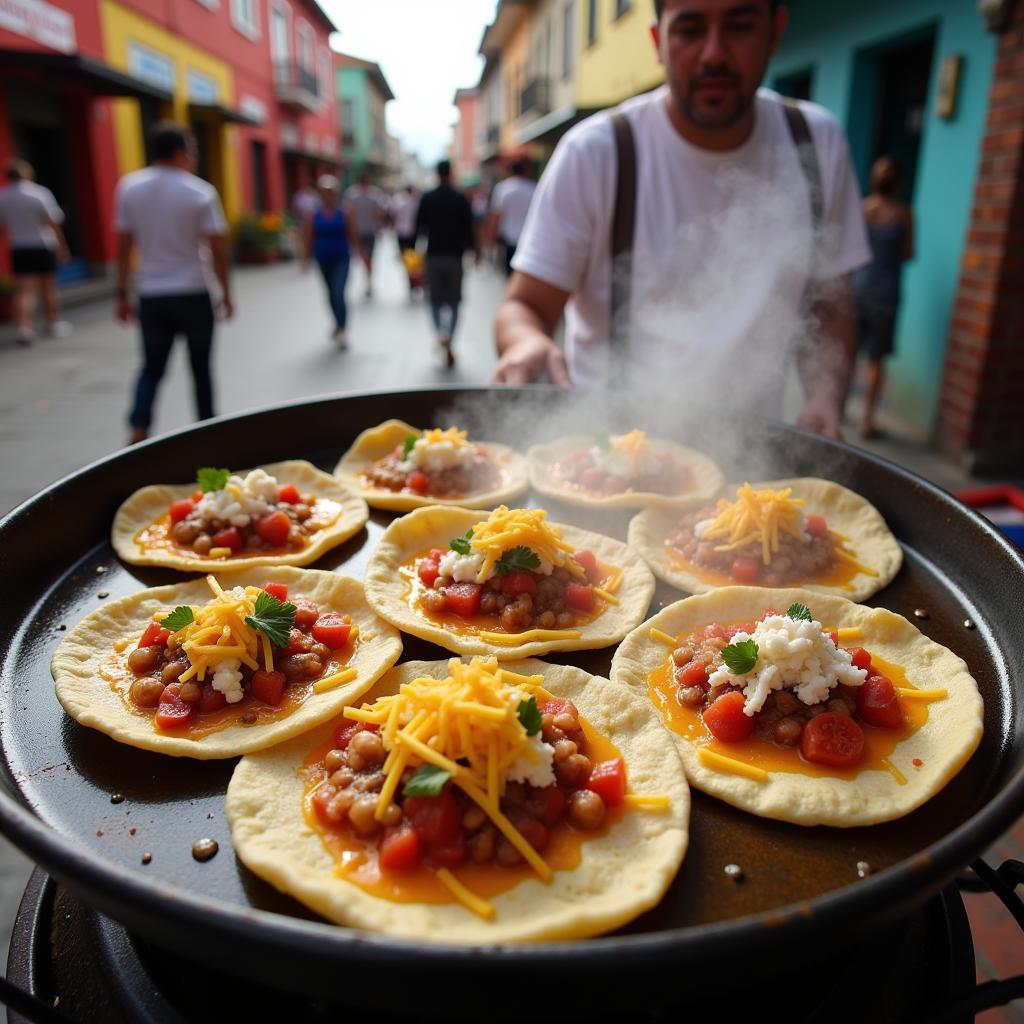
(446, 218)
(330, 239)
(174, 219)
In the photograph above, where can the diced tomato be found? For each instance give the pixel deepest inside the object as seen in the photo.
(665, 458)
(579, 596)
(767, 614)
(229, 538)
(860, 658)
(717, 632)
(332, 629)
(816, 526)
(155, 636)
(322, 796)
(435, 554)
(520, 582)
(589, 562)
(878, 703)
(608, 781)
(557, 705)
(274, 528)
(172, 712)
(592, 479)
(400, 849)
(834, 636)
(211, 699)
(745, 570)
(418, 482)
(450, 854)
(726, 720)
(548, 804)
(278, 590)
(306, 613)
(462, 599)
(693, 674)
(533, 831)
(268, 686)
(741, 627)
(428, 571)
(435, 819)
(346, 730)
(181, 509)
(197, 496)
(289, 493)
(835, 740)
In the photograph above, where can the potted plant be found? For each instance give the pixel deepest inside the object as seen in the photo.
(258, 237)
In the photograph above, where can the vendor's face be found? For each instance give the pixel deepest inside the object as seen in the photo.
(715, 53)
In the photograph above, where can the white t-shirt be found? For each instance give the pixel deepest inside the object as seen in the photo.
(403, 213)
(510, 200)
(367, 203)
(723, 248)
(169, 213)
(26, 210)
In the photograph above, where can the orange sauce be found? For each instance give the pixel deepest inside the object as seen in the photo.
(879, 744)
(471, 626)
(120, 677)
(839, 574)
(157, 536)
(357, 861)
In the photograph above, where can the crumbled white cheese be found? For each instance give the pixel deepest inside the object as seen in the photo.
(794, 655)
(228, 679)
(535, 764)
(241, 500)
(641, 462)
(461, 568)
(435, 456)
(700, 528)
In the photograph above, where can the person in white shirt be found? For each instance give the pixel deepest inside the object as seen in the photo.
(403, 206)
(175, 221)
(510, 203)
(368, 207)
(32, 221)
(742, 241)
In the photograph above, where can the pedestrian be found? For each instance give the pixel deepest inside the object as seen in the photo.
(32, 221)
(367, 206)
(877, 286)
(174, 221)
(403, 208)
(330, 238)
(510, 203)
(738, 225)
(305, 203)
(446, 218)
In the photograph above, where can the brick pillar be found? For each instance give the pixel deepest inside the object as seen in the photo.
(980, 423)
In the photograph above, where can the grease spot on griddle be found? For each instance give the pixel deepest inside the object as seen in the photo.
(734, 872)
(205, 849)
(921, 613)
(103, 594)
(146, 858)
(864, 869)
(968, 623)
(117, 798)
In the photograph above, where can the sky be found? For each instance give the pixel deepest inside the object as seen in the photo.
(427, 49)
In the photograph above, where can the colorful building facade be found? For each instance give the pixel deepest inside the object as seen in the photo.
(363, 94)
(464, 158)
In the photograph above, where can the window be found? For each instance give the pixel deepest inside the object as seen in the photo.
(621, 6)
(280, 32)
(199, 87)
(245, 18)
(210, 5)
(348, 123)
(151, 66)
(326, 91)
(568, 38)
(305, 47)
(591, 22)
(258, 162)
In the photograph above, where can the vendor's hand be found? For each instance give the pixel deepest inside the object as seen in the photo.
(227, 308)
(124, 311)
(822, 416)
(529, 360)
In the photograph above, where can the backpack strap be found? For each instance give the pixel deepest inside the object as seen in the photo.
(623, 226)
(808, 156)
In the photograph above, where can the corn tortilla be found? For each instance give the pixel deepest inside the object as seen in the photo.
(622, 873)
(90, 699)
(435, 527)
(943, 743)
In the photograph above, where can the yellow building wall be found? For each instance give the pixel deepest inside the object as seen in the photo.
(622, 60)
(515, 55)
(121, 27)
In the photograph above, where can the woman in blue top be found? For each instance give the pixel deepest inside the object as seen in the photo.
(877, 286)
(330, 239)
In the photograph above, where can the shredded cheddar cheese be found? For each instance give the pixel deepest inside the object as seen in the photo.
(662, 637)
(850, 633)
(648, 801)
(721, 763)
(756, 516)
(528, 636)
(925, 696)
(479, 906)
(634, 446)
(455, 437)
(330, 682)
(894, 771)
(507, 528)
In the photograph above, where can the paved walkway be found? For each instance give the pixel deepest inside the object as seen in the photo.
(63, 402)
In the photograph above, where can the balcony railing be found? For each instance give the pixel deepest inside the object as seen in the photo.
(296, 86)
(534, 98)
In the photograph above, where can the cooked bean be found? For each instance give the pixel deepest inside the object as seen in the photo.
(362, 814)
(573, 772)
(202, 544)
(515, 794)
(473, 819)
(692, 696)
(302, 512)
(145, 659)
(433, 601)
(443, 581)
(507, 855)
(145, 693)
(546, 619)
(786, 702)
(566, 721)
(369, 746)
(355, 760)
(563, 620)
(563, 750)
(392, 815)
(369, 782)
(306, 613)
(586, 809)
(340, 804)
(254, 542)
(342, 777)
(322, 651)
(787, 731)
(295, 666)
(185, 532)
(190, 693)
(480, 846)
(683, 655)
(171, 670)
(488, 602)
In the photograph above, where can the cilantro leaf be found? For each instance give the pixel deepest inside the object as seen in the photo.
(461, 544)
(273, 617)
(740, 658)
(515, 560)
(529, 716)
(178, 619)
(212, 479)
(408, 445)
(603, 440)
(428, 780)
(799, 612)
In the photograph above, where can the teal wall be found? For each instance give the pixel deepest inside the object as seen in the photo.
(353, 85)
(827, 36)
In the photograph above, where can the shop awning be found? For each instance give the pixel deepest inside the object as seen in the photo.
(311, 154)
(218, 112)
(101, 79)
